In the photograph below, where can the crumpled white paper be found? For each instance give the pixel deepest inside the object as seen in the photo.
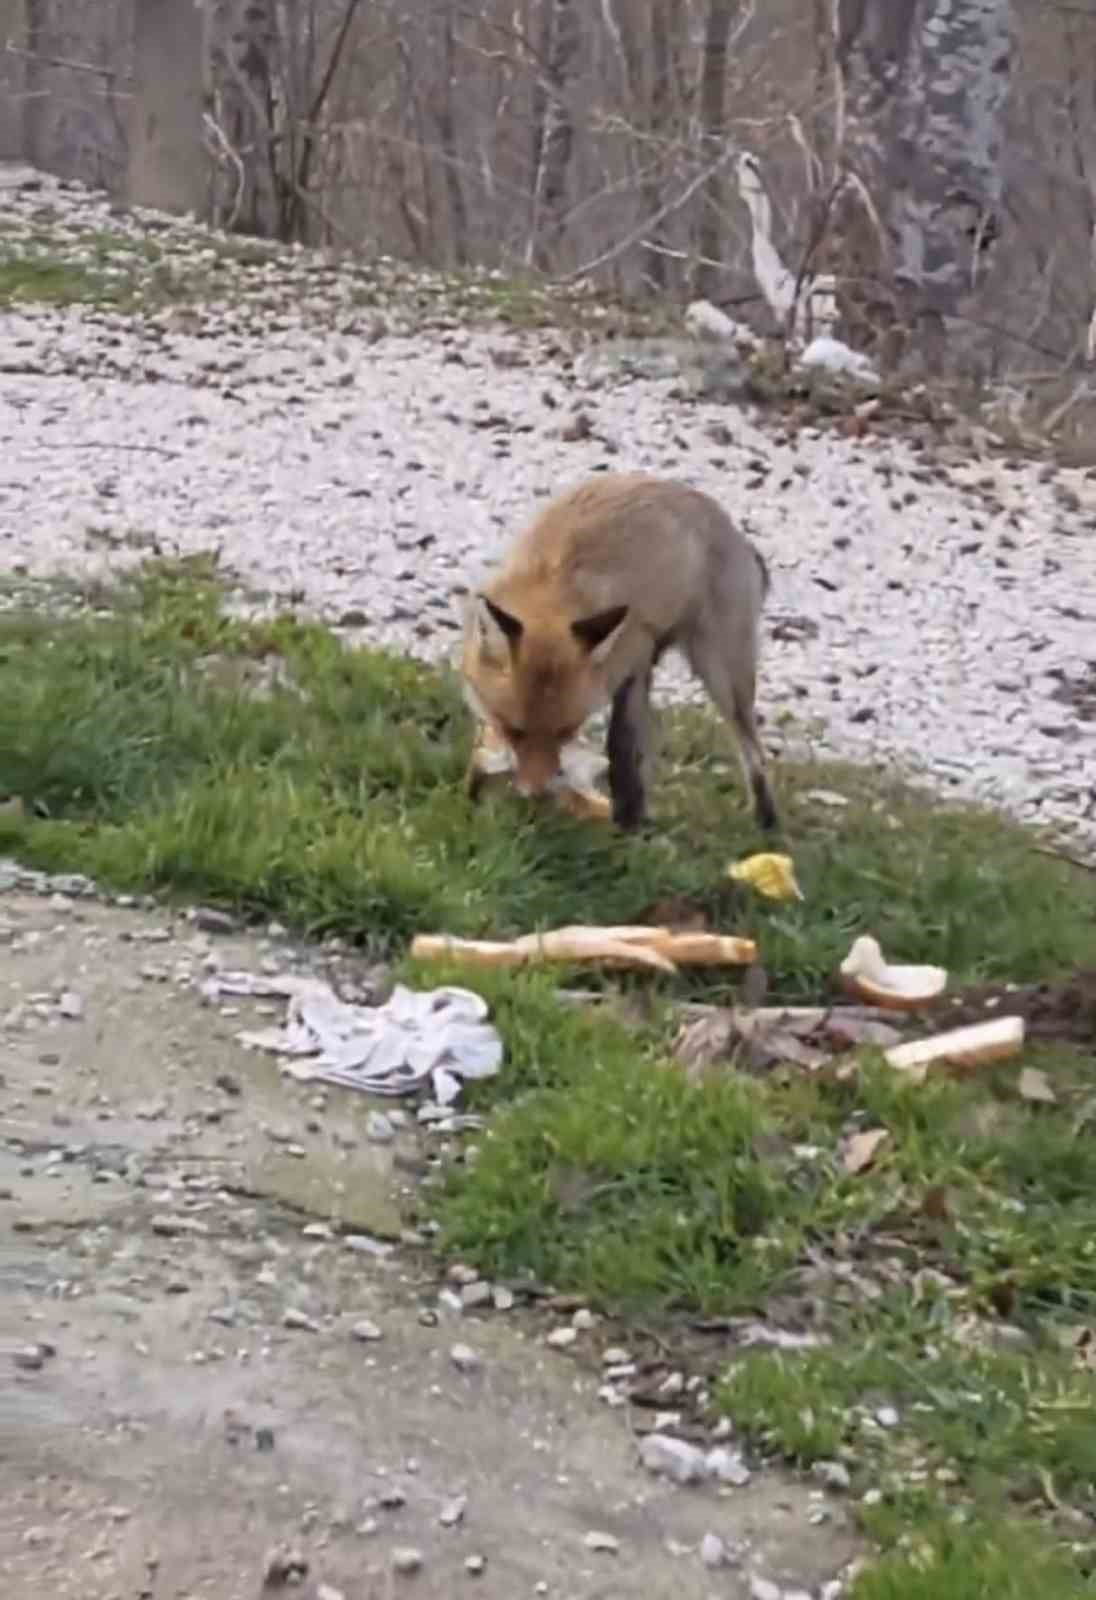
(433, 1038)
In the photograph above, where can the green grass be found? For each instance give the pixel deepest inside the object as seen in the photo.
(49, 281)
(161, 746)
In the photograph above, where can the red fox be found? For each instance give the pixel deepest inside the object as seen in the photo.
(609, 576)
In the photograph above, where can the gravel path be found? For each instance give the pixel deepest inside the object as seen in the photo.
(345, 437)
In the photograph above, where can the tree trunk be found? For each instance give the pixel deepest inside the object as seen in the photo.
(247, 100)
(651, 42)
(447, 134)
(13, 31)
(166, 165)
(926, 84)
(555, 130)
(713, 115)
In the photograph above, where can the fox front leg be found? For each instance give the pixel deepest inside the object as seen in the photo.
(628, 750)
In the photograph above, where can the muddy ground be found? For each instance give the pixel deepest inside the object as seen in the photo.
(188, 1239)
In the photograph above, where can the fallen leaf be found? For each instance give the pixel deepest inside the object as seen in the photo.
(860, 1150)
(842, 1030)
(771, 875)
(698, 1044)
(1034, 1085)
(935, 1204)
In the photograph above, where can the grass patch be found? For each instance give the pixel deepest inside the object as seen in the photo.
(41, 278)
(163, 746)
(983, 1561)
(268, 768)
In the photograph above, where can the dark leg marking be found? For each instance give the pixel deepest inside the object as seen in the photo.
(765, 810)
(625, 770)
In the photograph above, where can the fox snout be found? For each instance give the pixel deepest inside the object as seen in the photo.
(536, 763)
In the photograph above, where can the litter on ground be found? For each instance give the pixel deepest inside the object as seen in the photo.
(432, 1038)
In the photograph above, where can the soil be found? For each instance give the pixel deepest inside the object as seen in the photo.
(1054, 1013)
(182, 1391)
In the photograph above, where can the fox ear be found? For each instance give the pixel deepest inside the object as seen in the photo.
(498, 626)
(598, 633)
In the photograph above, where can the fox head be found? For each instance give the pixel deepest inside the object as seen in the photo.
(537, 680)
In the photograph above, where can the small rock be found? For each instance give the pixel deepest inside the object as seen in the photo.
(406, 1560)
(475, 1294)
(728, 1466)
(764, 1589)
(672, 1458)
(212, 921)
(464, 1358)
(460, 1274)
(887, 1417)
(615, 1357)
(366, 1331)
(606, 1542)
(713, 1552)
(562, 1338)
(324, 1591)
(453, 1512)
(71, 1006)
(475, 1565)
(292, 1318)
(502, 1298)
(284, 1565)
(834, 1474)
(379, 1128)
(31, 1357)
(380, 1249)
(583, 1320)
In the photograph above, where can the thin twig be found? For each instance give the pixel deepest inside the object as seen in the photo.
(63, 61)
(637, 233)
(109, 444)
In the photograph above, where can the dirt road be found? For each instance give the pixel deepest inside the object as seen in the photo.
(192, 1249)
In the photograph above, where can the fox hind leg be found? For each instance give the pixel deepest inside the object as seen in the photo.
(732, 685)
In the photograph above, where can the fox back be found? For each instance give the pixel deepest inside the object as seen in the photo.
(607, 577)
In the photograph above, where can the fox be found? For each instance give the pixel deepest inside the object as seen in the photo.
(592, 593)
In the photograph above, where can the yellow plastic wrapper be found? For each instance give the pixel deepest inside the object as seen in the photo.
(771, 875)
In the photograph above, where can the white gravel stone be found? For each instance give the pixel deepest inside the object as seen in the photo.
(464, 1358)
(672, 1458)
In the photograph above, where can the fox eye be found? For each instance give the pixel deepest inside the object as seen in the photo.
(516, 735)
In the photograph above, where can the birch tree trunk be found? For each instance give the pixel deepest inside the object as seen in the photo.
(926, 83)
